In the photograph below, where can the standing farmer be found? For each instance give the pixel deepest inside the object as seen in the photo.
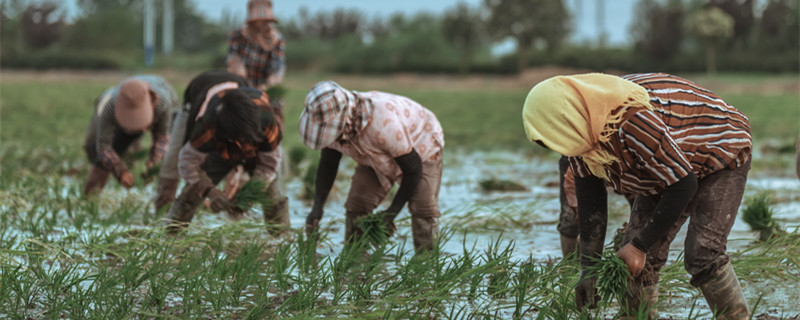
(224, 124)
(678, 147)
(392, 139)
(255, 51)
(121, 115)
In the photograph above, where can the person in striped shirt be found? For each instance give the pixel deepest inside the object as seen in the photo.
(121, 115)
(224, 124)
(679, 148)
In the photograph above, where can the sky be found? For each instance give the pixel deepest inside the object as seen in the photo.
(617, 14)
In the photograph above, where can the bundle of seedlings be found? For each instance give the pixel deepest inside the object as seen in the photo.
(276, 92)
(150, 174)
(375, 231)
(758, 215)
(612, 276)
(495, 184)
(253, 192)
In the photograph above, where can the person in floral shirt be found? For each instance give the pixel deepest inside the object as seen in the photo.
(392, 139)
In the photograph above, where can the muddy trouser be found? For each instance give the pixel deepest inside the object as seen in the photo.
(216, 168)
(711, 214)
(366, 193)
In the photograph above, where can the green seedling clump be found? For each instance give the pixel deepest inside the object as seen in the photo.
(612, 276)
(276, 92)
(253, 192)
(374, 230)
(758, 215)
(494, 184)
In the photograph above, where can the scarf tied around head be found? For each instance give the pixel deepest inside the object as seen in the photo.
(573, 115)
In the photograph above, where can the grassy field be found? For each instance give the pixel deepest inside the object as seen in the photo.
(66, 257)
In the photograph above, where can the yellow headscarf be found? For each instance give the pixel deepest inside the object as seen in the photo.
(571, 114)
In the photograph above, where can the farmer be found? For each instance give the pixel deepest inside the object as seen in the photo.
(392, 139)
(255, 51)
(223, 124)
(121, 115)
(679, 148)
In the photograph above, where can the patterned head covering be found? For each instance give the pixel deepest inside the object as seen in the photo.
(572, 114)
(332, 112)
(133, 107)
(260, 10)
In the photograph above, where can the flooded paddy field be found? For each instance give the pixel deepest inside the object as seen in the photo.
(62, 256)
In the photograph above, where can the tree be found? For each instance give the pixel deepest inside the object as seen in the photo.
(711, 26)
(780, 22)
(741, 11)
(656, 29)
(39, 27)
(463, 27)
(528, 21)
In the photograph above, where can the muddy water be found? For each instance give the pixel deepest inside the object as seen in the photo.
(529, 217)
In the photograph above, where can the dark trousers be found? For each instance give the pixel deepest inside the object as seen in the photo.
(711, 214)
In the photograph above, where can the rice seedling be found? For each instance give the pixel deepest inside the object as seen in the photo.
(253, 192)
(612, 276)
(494, 184)
(374, 230)
(758, 215)
(277, 92)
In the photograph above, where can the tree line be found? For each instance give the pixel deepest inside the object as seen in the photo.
(667, 35)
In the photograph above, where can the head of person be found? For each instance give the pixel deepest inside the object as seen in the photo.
(238, 124)
(134, 105)
(572, 115)
(332, 114)
(260, 16)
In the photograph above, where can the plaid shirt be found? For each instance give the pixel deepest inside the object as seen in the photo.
(107, 123)
(690, 130)
(264, 67)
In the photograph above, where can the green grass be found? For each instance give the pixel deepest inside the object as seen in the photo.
(109, 257)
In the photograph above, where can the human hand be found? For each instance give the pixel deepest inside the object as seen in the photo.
(126, 180)
(218, 200)
(388, 221)
(165, 192)
(312, 222)
(633, 257)
(586, 292)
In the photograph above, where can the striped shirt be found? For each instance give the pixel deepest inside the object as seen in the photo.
(690, 130)
(264, 67)
(107, 122)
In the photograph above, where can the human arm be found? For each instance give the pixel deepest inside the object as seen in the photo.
(592, 219)
(411, 166)
(106, 156)
(668, 209)
(326, 174)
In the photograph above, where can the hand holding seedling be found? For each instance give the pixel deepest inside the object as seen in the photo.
(633, 257)
(219, 201)
(312, 222)
(388, 221)
(165, 192)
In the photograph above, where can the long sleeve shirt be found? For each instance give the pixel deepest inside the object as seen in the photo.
(107, 123)
(690, 130)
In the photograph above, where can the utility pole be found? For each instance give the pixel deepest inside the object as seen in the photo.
(602, 35)
(149, 33)
(168, 27)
